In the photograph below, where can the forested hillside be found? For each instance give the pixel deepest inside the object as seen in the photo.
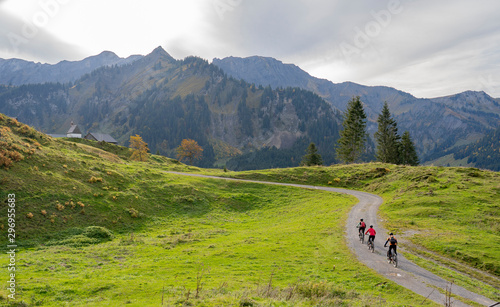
(483, 153)
(166, 100)
(437, 125)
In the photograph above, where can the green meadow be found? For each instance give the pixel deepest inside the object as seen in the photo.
(94, 228)
(449, 216)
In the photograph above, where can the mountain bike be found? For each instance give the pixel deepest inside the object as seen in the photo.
(371, 246)
(362, 237)
(393, 258)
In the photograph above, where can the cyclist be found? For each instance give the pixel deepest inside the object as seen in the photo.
(372, 233)
(361, 226)
(393, 245)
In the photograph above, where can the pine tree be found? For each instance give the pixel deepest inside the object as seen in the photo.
(312, 156)
(353, 137)
(388, 140)
(408, 152)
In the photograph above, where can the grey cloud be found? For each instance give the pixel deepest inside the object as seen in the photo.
(428, 35)
(284, 27)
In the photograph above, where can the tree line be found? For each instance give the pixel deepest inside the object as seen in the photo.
(390, 146)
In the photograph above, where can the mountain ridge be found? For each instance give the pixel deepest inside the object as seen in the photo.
(18, 72)
(166, 100)
(436, 124)
(107, 97)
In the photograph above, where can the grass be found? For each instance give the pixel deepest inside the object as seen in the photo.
(205, 242)
(239, 244)
(453, 212)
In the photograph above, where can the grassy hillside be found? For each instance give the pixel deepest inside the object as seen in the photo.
(95, 228)
(449, 215)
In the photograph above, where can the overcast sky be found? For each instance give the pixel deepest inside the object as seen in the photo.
(428, 48)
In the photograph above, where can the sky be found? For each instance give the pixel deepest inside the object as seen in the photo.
(427, 48)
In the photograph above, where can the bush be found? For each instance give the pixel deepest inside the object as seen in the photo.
(133, 212)
(5, 161)
(98, 232)
(95, 179)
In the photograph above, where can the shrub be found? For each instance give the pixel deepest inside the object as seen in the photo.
(95, 179)
(15, 156)
(98, 232)
(29, 215)
(133, 212)
(5, 161)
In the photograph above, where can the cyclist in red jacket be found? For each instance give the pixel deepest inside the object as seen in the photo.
(361, 226)
(372, 233)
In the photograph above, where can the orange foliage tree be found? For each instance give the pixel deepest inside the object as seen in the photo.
(190, 150)
(139, 148)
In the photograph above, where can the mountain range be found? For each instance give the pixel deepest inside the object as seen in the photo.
(245, 112)
(436, 125)
(167, 100)
(19, 72)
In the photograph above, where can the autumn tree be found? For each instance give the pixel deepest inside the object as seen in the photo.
(139, 148)
(353, 137)
(388, 140)
(190, 150)
(312, 156)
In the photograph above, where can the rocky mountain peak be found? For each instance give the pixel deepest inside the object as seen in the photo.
(160, 53)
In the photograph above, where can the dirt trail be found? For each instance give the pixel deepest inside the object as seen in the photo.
(407, 274)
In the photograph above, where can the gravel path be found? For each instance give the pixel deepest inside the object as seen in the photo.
(406, 274)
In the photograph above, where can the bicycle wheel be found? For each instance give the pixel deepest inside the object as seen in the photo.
(372, 246)
(395, 261)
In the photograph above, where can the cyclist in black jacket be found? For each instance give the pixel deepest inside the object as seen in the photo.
(393, 245)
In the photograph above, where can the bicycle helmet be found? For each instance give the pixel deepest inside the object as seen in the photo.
(371, 226)
(361, 220)
(391, 234)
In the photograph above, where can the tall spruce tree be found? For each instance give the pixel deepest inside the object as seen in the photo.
(388, 140)
(312, 156)
(408, 153)
(353, 137)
